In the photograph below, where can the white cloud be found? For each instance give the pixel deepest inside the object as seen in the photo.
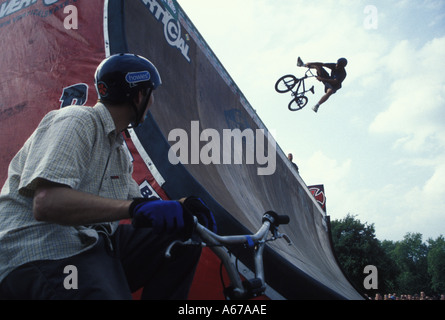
(320, 168)
(425, 205)
(417, 96)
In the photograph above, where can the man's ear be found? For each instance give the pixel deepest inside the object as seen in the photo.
(138, 98)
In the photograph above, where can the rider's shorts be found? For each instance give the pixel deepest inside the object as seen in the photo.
(325, 74)
(330, 86)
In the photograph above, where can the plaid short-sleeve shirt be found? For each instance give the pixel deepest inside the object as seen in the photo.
(74, 146)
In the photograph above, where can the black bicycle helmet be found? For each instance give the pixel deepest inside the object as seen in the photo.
(342, 62)
(120, 77)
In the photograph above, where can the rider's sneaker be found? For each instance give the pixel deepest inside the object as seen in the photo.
(300, 62)
(315, 108)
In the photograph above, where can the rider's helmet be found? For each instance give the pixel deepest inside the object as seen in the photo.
(120, 77)
(342, 62)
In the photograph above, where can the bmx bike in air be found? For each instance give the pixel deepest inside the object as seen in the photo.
(238, 289)
(297, 87)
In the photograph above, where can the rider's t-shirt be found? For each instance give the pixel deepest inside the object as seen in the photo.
(336, 74)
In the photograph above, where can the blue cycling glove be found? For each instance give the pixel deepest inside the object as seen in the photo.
(170, 216)
(196, 207)
(163, 216)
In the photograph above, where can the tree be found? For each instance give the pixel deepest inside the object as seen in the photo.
(436, 264)
(410, 256)
(409, 266)
(357, 247)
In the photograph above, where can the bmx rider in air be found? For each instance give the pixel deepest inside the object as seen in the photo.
(333, 81)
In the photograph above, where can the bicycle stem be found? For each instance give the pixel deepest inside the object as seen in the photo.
(236, 283)
(258, 240)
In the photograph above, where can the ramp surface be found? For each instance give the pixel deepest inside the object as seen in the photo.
(198, 89)
(197, 94)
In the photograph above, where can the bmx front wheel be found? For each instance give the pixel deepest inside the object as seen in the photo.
(286, 83)
(298, 103)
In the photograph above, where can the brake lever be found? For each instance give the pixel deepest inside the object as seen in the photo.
(288, 240)
(277, 235)
(189, 242)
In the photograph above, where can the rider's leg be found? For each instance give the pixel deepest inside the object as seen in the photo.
(97, 275)
(321, 72)
(329, 92)
(325, 98)
(143, 258)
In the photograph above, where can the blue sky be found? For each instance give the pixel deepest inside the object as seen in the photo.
(378, 145)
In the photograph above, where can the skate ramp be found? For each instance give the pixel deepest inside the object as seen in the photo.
(56, 65)
(197, 89)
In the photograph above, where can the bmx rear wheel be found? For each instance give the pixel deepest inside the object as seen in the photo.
(286, 83)
(298, 103)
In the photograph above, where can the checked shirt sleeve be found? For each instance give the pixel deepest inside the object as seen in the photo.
(59, 151)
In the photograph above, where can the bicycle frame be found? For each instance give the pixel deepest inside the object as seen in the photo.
(301, 82)
(237, 288)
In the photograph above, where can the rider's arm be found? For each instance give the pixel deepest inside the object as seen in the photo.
(55, 203)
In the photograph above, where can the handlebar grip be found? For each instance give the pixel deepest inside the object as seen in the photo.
(282, 219)
(275, 218)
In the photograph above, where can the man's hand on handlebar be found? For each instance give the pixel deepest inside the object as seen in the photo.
(196, 207)
(171, 216)
(163, 216)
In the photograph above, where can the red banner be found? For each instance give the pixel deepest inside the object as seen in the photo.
(46, 64)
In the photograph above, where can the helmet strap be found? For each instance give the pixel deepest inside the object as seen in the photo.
(136, 109)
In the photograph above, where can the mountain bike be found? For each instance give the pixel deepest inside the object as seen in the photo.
(239, 289)
(289, 82)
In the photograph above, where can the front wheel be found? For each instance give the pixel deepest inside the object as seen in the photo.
(286, 83)
(298, 103)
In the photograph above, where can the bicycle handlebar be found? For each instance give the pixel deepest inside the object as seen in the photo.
(275, 218)
(217, 243)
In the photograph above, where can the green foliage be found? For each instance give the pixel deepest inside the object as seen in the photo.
(356, 247)
(407, 267)
(436, 264)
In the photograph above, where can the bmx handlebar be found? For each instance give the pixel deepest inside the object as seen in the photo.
(217, 243)
(270, 220)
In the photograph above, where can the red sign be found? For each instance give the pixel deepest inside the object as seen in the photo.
(319, 195)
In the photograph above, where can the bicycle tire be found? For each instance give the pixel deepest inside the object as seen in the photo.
(286, 83)
(298, 103)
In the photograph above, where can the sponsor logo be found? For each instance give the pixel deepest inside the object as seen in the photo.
(318, 193)
(136, 77)
(76, 94)
(21, 9)
(171, 6)
(102, 88)
(147, 190)
(12, 6)
(172, 27)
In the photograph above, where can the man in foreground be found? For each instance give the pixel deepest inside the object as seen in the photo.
(69, 186)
